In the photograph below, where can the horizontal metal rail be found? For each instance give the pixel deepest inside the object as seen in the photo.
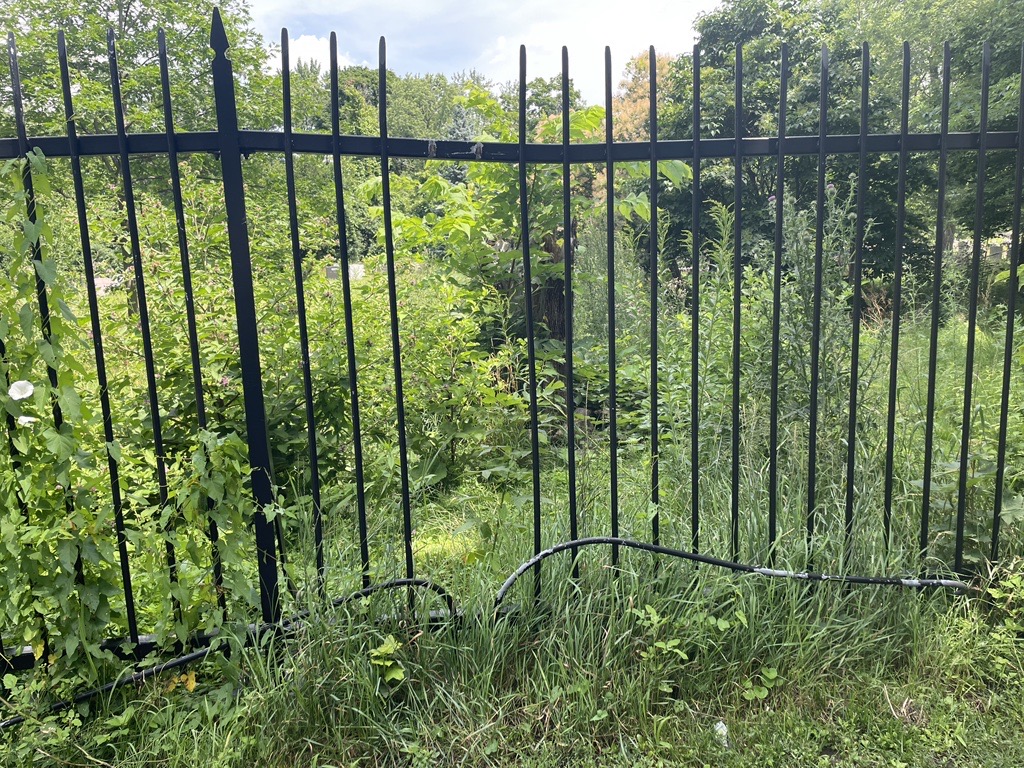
(251, 142)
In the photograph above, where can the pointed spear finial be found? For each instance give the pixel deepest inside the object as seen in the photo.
(12, 52)
(218, 37)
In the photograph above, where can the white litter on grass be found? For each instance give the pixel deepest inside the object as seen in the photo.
(355, 271)
(722, 732)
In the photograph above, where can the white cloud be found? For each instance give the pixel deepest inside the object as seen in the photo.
(288, 13)
(309, 48)
(447, 36)
(585, 28)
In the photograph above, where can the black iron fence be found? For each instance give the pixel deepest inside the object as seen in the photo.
(905, 518)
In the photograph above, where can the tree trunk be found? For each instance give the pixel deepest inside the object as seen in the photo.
(549, 298)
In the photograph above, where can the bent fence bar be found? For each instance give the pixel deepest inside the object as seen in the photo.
(232, 144)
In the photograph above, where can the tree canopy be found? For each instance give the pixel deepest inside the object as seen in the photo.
(135, 24)
(444, 106)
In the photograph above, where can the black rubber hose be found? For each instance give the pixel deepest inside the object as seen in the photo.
(728, 564)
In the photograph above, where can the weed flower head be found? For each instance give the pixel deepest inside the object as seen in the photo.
(20, 390)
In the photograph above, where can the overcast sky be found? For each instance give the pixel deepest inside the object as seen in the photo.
(448, 36)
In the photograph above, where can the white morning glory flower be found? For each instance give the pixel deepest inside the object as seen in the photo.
(24, 421)
(21, 390)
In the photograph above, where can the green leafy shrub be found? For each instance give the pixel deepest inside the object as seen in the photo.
(61, 588)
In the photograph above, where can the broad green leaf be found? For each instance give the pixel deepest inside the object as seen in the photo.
(27, 318)
(66, 312)
(675, 171)
(70, 403)
(31, 230)
(60, 445)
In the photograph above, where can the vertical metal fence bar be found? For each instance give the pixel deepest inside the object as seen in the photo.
(972, 319)
(300, 299)
(41, 297)
(10, 429)
(97, 341)
(15, 466)
(737, 303)
(350, 341)
(30, 210)
(245, 313)
(1011, 312)
(11, 447)
(695, 235)
(37, 259)
(567, 263)
(897, 298)
(143, 307)
(190, 310)
(855, 312)
(940, 222)
(531, 348)
(819, 239)
(653, 267)
(396, 344)
(12, 450)
(773, 410)
(613, 416)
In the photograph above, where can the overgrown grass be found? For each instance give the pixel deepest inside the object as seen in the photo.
(623, 668)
